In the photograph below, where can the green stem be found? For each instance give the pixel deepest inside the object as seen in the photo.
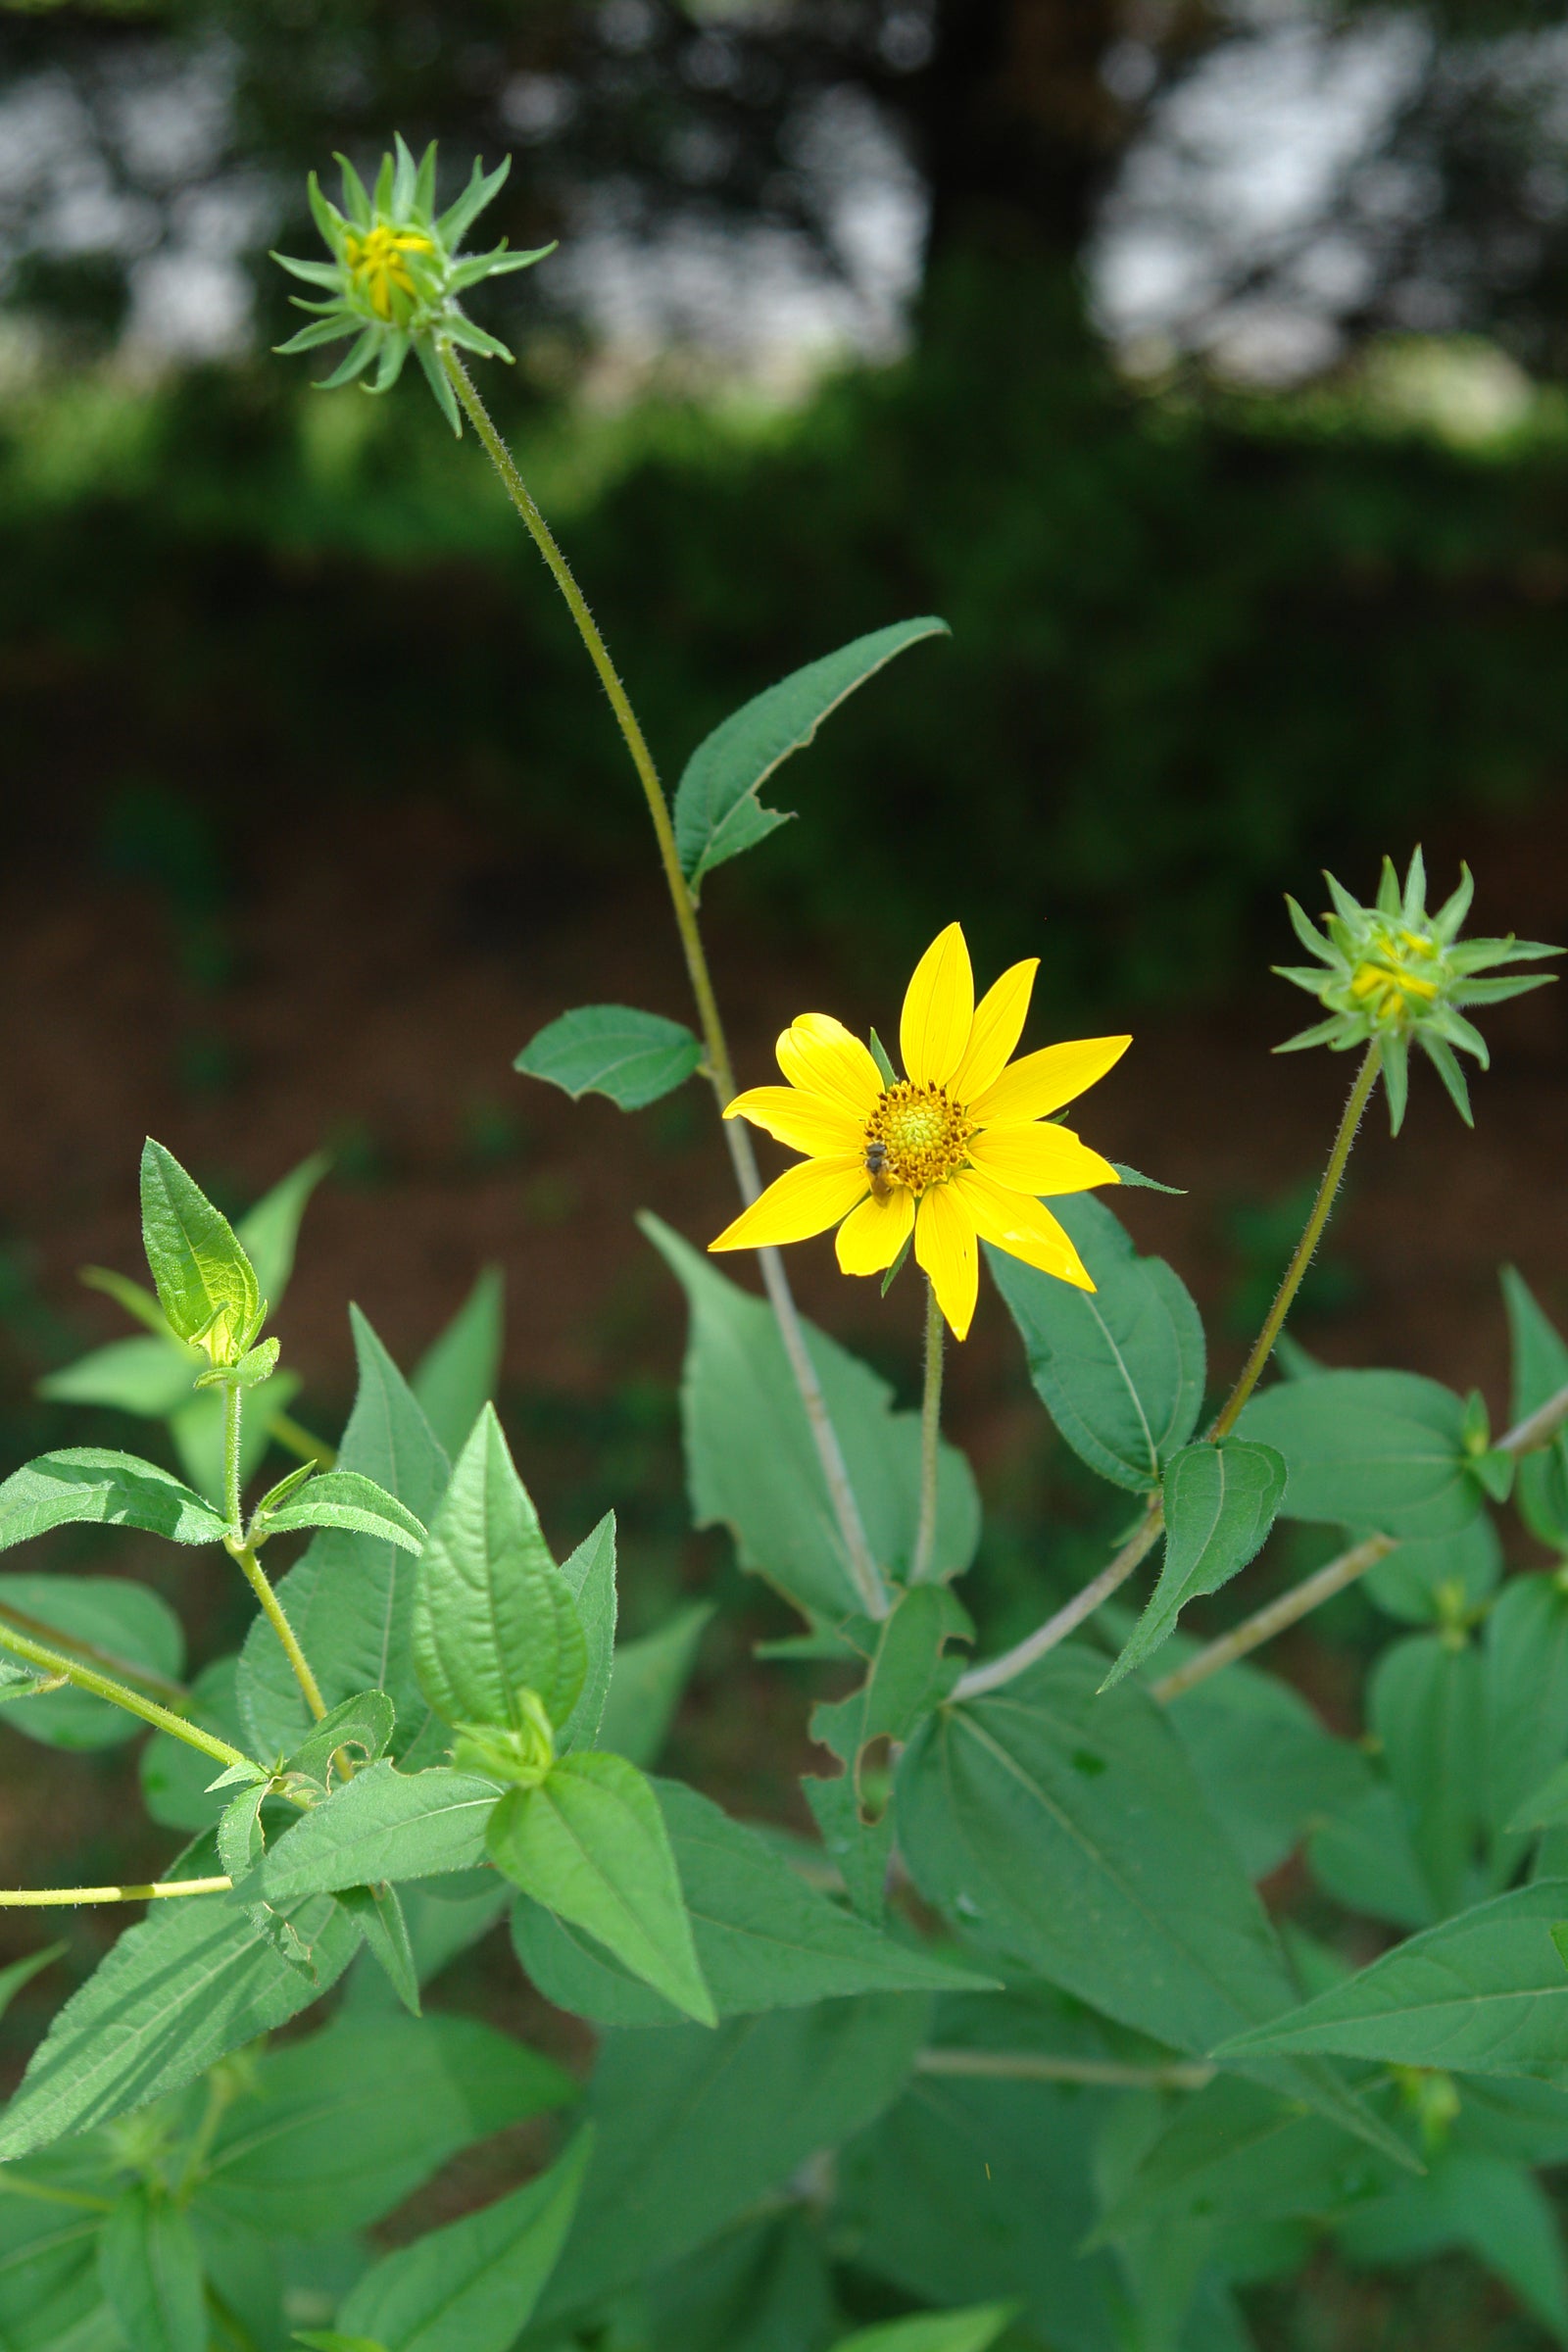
(17, 2185)
(862, 1564)
(86, 1678)
(233, 1414)
(127, 1669)
(930, 1435)
(220, 2095)
(1311, 1235)
(1038, 2066)
(1013, 1662)
(272, 1609)
(59, 1898)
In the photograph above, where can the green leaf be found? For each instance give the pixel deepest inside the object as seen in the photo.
(148, 1377)
(1496, 2210)
(366, 1721)
(494, 1616)
(382, 1824)
(1120, 1369)
(1238, 2150)
(695, 2127)
(345, 1498)
(1425, 1706)
(205, 1284)
(471, 2287)
(633, 1057)
(911, 1670)
(1364, 1857)
(752, 1463)
(331, 2133)
(187, 1985)
(269, 1232)
(1426, 1581)
(717, 814)
(590, 1572)
(1221, 1503)
(1540, 1370)
(152, 2274)
(176, 1777)
(590, 1844)
(127, 1620)
(763, 1939)
(1230, 1720)
(91, 1484)
(384, 1924)
(331, 2339)
(646, 1682)
(971, 2330)
(1525, 1669)
(457, 1375)
(1485, 1994)
(350, 1598)
(1379, 1449)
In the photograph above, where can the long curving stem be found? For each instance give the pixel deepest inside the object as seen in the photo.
(1066, 1620)
(930, 1437)
(60, 1898)
(861, 1565)
(272, 1609)
(101, 1685)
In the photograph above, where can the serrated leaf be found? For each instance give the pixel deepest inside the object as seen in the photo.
(590, 1844)
(455, 1377)
(93, 1485)
(633, 1058)
(151, 2273)
(717, 814)
(1120, 1369)
(590, 1572)
(205, 1284)
(345, 1498)
(382, 1824)
(1221, 1503)
(1379, 1449)
(494, 1616)
(130, 1621)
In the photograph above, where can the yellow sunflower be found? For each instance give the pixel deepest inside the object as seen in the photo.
(956, 1152)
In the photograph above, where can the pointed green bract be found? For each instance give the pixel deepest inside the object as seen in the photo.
(344, 1498)
(633, 1057)
(455, 1377)
(1221, 1503)
(207, 1286)
(494, 1616)
(152, 2274)
(590, 1844)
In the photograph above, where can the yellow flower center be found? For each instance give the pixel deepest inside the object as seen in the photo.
(917, 1136)
(1385, 981)
(375, 261)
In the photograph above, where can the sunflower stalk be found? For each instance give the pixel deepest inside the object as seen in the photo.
(930, 1435)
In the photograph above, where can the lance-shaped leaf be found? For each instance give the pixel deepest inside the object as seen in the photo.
(647, 1680)
(135, 1626)
(268, 1231)
(471, 2287)
(1485, 1994)
(717, 814)
(151, 2273)
(971, 2330)
(1540, 1370)
(149, 1377)
(590, 1572)
(590, 1844)
(634, 1057)
(345, 1498)
(1379, 1449)
(1220, 1502)
(383, 1923)
(207, 1286)
(382, 1824)
(494, 1616)
(1120, 1368)
(455, 1377)
(90, 1483)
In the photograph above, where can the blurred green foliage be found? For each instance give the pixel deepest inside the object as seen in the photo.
(1199, 647)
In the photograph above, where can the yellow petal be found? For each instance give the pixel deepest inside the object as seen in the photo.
(998, 1020)
(872, 1234)
(1039, 1159)
(1010, 1221)
(1043, 1082)
(805, 1122)
(945, 1246)
(802, 1201)
(818, 1054)
(938, 1010)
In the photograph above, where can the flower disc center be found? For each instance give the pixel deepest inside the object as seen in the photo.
(924, 1135)
(376, 261)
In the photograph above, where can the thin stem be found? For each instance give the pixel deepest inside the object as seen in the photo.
(233, 1414)
(272, 1609)
(60, 1898)
(1033, 2066)
(109, 1660)
(219, 2096)
(1538, 1429)
(300, 1441)
(862, 1566)
(930, 1435)
(1311, 1235)
(1013, 1662)
(86, 1678)
(17, 2185)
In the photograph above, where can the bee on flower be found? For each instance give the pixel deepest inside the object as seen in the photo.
(957, 1151)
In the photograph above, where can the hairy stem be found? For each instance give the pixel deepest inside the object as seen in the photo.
(126, 1669)
(1311, 1235)
(59, 1898)
(233, 1419)
(1035, 2065)
(101, 1685)
(1013, 1662)
(272, 1609)
(930, 1435)
(862, 1567)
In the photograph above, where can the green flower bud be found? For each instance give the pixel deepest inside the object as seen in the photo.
(521, 1754)
(395, 274)
(1398, 975)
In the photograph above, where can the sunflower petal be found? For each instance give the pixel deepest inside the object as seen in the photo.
(938, 1010)
(805, 1122)
(1043, 1082)
(1037, 1158)
(1010, 1221)
(945, 1246)
(998, 1020)
(822, 1057)
(872, 1234)
(802, 1201)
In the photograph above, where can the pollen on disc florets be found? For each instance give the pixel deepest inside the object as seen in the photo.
(1399, 972)
(923, 1132)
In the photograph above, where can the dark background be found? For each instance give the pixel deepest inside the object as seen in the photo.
(314, 813)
